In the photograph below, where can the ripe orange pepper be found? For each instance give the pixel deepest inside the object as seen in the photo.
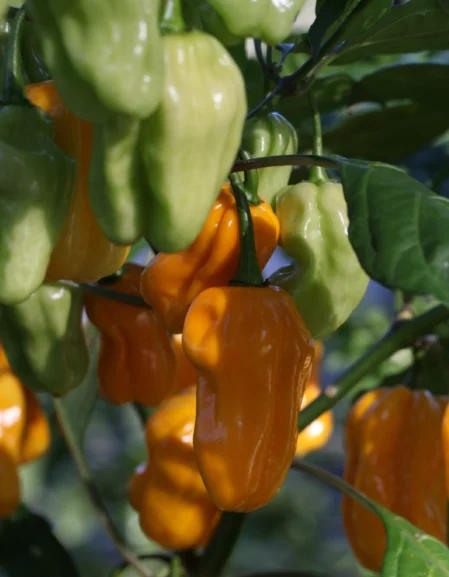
(168, 492)
(395, 456)
(82, 252)
(319, 431)
(24, 434)
(170, 282)
(185, 371)
(136, 360)
(253, 356)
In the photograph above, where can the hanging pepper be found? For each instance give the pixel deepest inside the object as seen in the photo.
(174, 507)
(44, 340)
(185, 372)
(247, 341)
(136, 360)
(171, 281)
(24, 434)
(104, 56)
(211, 22)
(269, 20)
(82, 252)
(395, 455)
(34, 202)
(270, 135)
(316, 435)
(160, 177)
(330, 282)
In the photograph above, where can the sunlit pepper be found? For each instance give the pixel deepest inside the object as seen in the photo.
(185, 371)
(174, 507)
(171, 281)
(82, 252)
(395, 453)
(136, 360)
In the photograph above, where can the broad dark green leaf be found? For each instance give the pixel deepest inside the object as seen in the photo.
(329, 16)
(444, 5)
(417, 26)
(28, 547)
(400, 234)
(362, 19)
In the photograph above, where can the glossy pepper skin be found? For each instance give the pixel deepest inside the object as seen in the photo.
(34, 203)
(44, 340)
(330, 282)
(246, 344)
(104, 56)
(160, 177)
(395, 447)
(82, 252)
(24, 434)
(136, 360)
(185, 372)
(270, 135)
(269, 20)
(171, 282)
(168, 492)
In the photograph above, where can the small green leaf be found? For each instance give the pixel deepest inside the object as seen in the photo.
(399, 232)
(329, 17)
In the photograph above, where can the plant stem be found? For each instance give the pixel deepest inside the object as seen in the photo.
(13, 79)
(172, 21)
(284, 160)
(402, 335)
(317, 173)
(248, 273)
(217, 552)
(251, 184)
(108, 293)
(94, 493)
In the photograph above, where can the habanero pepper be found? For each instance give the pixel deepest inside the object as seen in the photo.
(168, 492)
(170, 282)
(136, 360)
(185, 371)
(82, 252)
(246, 343)
(378, 428)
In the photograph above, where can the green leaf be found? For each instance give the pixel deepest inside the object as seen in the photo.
(329, 16)
(399, 232)
(29, 547)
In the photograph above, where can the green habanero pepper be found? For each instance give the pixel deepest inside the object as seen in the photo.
(270, 135)
(160, 177)
(104, 55)
(212, 23)
(330, 282)
(36, 182)
(44, 340)
(269, 20)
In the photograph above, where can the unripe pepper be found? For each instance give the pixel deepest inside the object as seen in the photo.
(170, 282)
(136, 360)
(396, 456)
(82, 252)
(269, 20)
(270, 135)
(160, 177)
(330, 282)
(104, 56)
(44, 340)
(168, 492)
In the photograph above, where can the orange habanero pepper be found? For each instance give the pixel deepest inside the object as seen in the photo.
(170, 282)
(82, 252)
(185, 371)
(168, 492)
(253, 356)
(396, 456)
(136, 360)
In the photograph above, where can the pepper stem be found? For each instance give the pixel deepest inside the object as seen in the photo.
(251, 180)
(13, 79)
(172, 21)
(248, 273)
(317, 173)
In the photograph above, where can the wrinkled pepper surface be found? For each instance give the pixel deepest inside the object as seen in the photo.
(24, 434)
(104, 56)
(253, 356)
(330, 282)
(160, 177)
(44, 340)
(270, 135)
(269, 20)
(171, 281)
(136, 360)
(185, 372)
(395, 455)
(168, 492)
(82, 252)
